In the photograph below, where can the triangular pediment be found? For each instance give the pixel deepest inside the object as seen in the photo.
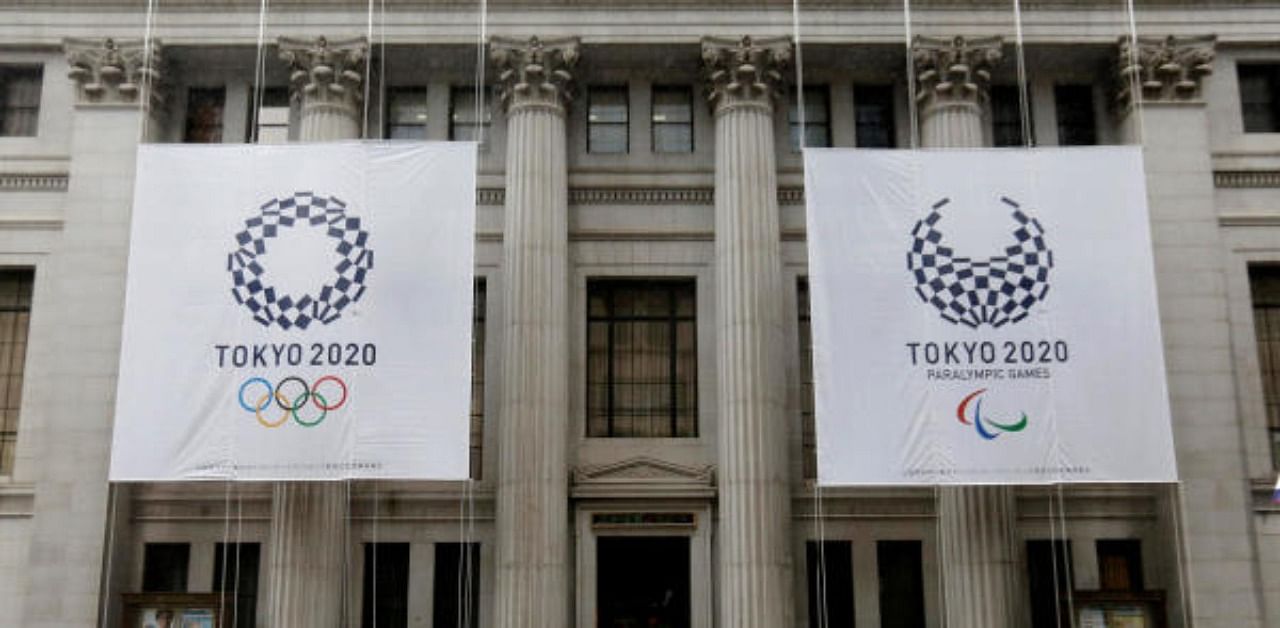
(643, 474)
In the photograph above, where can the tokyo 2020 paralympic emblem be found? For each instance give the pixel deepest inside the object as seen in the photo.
(970, 291)
(300, 211)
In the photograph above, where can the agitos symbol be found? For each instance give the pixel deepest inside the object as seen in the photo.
(981, 424)
(291, 405)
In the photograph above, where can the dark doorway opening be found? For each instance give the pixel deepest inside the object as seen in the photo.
(642, 582)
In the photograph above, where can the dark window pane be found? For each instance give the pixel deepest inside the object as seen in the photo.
(901, 572)
(607, 119)
(642, 361)
(164, 567)
(235, 569)
(1049, 581)
(386, 585)
(873, 115)
(1006, 116)
(272, 119)
(808, 441)
(15, 319)
(829, 565)
(204, 115)
(20, 100)
(1119, 564)
(1264, 284)
(672, 119)
(1076, 123)
(817, 120)
(466, 124)
(407, 113)
(478, 306)
(456, 599)
(1258, 91)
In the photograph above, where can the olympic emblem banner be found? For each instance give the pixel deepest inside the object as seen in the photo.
(298, 312)
(985, 316)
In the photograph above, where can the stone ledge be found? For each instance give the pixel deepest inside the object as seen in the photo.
(17, 501)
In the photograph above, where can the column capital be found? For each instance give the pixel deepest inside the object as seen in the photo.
(744, 71)
(535, 71)
(1164, 69)
(326, 74)
(954, 71)
(112, 72)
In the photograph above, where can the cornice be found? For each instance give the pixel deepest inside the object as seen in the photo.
(294, 5)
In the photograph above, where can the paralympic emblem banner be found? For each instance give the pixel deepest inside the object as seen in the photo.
(985, 317)
(298, 312)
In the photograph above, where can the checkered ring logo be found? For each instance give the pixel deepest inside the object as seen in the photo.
(300, 211)
(972, 292)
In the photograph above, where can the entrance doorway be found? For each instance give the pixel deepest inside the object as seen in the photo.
(642, 582)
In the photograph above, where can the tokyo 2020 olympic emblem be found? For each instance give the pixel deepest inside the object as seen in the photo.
(969, 291)
(291, 396)
(300, 211)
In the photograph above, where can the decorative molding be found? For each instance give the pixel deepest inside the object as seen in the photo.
(1246, 178)
(643, 476)
(1166, 69)
(17, 501)
(744, 71)
(18, 182)
(491, 196)
(324, 73)
(791, 196)
(534, 71)
(639, 196)
(956, 70)
(114, 72)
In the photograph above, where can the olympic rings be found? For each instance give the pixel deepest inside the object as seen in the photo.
(291, 404)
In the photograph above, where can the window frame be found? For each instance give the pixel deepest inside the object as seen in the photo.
(1015, 107)
(188, 126)
(460, 117)
(1061, 121)
(594, 92)
(823, 91)
(258, 102)
(673, 284)
(1270, 72)
(23, 305)
(655, 124)
(34, 71)
(391, 95)
(890, 121)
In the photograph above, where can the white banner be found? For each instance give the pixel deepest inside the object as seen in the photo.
(298, 312)
(985, 316)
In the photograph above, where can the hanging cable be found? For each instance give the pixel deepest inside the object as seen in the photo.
(1024, 106)
(113, 498)
(144, 93)
(912, 105)
(368, 67)
(259, 73)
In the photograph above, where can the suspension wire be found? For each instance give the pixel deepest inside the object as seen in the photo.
(368, 67)
(235, 600)
(1024, 106)
(226, 543)
(382, 66)
(912, 105)
(375, 553)
(1053, 550)
(1135, 82)
(259, 72)
(144, 93)
(482, 37)
(1177, 506)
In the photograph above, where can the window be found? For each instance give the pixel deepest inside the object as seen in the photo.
(204, 115)
(817, 121)
(901, 574)
(642, 358)
(608, 119)
(1006, 116)
(1049, 581)
(808, 439)
(466, 124)
(1119, 564)
(456, 599)
(1264, 282)
(235, 569)
(873, 116)
(386, 586)
(15, 320)
(1259, 86)
(273, 116)
(164, 567)
(19, 100)
(829, 565)
(478, 303)
(1076, 123)
(672, 119)
(407, 113)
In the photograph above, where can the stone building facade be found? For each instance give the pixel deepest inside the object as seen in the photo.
(642, 415)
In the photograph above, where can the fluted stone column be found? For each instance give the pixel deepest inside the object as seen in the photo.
(310, 529)
(981, 574)
(743, 79)
(1161, 106)
(533, 499)
(80, 309)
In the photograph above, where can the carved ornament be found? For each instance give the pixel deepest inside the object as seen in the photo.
(956, 70)
(1163, 69)
(744, 71)
(110, 71)
(534, 71)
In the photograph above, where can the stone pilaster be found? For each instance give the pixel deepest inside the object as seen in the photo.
(80, 307)
(310, 529)
(533, 500)
(743, 78)
(1159, 96)
(979, 555)
(952, 80)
